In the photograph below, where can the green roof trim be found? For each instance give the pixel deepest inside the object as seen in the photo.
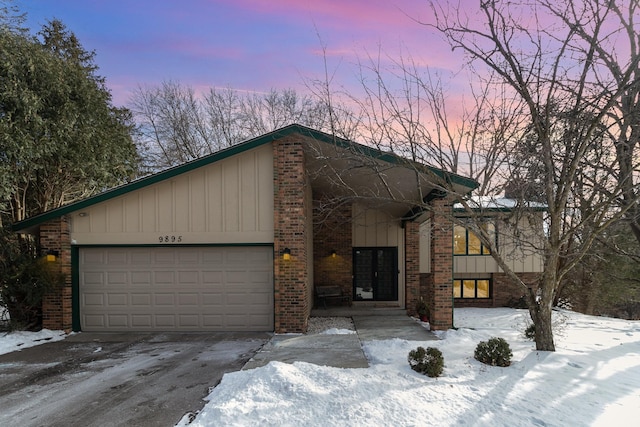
(226, 153)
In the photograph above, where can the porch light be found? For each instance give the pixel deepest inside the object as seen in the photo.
(52, 255)
(333, 253)
(286, 254)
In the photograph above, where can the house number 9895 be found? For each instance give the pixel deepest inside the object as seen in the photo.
(170, 239)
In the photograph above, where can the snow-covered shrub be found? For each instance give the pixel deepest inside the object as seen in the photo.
(427, 362)
(495, 352)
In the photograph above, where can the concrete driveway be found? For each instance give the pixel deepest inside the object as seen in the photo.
(92, 379)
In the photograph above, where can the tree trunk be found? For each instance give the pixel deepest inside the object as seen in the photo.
(540, 311)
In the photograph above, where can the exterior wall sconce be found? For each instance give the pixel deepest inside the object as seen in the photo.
(52, 255)
(286, 254)
(333, 253)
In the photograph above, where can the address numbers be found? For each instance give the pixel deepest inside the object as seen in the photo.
(170, 239)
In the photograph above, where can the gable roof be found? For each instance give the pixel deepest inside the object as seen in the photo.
(226, 153)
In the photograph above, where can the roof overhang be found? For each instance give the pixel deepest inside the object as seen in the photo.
(335, 166)
(342, 169)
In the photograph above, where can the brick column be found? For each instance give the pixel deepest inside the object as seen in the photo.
(291, 279)
(441, 293)
(412, 265)
(56, 306)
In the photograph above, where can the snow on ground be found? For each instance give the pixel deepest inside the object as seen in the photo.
(13, 341)
(593, 379)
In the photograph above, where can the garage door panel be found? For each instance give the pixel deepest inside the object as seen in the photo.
(164, 256)
(176, 288)
(141, 322)
(212, 277)
(141, 278)
(188, 277)
(188, 299)
(189, 321)
(117, 257)
(141, 257)
(117, 321)
(164, 299)
(92, 278)
(96, 300)
(117, 300)
(165, 321)
(95, 321)
(164, 278)
(141, 299)
(117, 278)
(213, 258)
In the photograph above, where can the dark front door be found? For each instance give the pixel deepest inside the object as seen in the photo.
(375, 276)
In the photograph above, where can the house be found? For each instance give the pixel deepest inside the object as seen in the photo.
(478, 281)
(238, 240)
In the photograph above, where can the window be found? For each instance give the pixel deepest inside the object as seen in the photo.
(471, 288)
(466, 242)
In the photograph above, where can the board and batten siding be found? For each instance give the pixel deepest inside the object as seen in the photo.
(226, 202)
(519, 259)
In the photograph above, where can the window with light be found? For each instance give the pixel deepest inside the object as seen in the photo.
(466, 242)
(471, 288)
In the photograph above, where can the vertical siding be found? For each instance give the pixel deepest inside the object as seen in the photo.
(518, 260)
(230, 201)
(373, 228)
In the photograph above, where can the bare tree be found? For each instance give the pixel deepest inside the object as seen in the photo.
(543, 57)
(542, 122)
(177, 125)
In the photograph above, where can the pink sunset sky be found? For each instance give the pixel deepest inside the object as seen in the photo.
(251, 45)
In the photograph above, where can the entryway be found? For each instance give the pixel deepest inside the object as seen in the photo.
(375, 274)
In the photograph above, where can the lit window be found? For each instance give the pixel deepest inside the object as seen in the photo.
(471, 288)
(466, 242)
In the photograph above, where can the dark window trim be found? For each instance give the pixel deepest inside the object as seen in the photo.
(482, 246)
(475, 297)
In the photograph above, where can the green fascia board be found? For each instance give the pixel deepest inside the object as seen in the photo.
(223, 154)
(522, 207)
(386, 156)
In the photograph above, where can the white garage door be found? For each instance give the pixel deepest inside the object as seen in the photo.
(176, 288)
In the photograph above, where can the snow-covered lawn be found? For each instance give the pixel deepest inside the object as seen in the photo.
(593, 379)
(18, 340)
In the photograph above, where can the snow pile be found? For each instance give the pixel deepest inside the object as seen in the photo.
(12, 341)
(592, 379)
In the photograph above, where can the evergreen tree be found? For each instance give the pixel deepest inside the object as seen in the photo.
(60, 137)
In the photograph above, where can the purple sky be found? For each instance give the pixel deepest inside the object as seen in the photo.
(250, 45)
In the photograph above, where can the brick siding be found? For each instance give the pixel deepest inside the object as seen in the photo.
(332, 231)
(291, 281)
(440, 284)
(412, 267)
(57, 305)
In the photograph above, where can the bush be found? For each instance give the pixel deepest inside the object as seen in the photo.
(495, 352)
(530, 332)
(24, 280)
(427, 362)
